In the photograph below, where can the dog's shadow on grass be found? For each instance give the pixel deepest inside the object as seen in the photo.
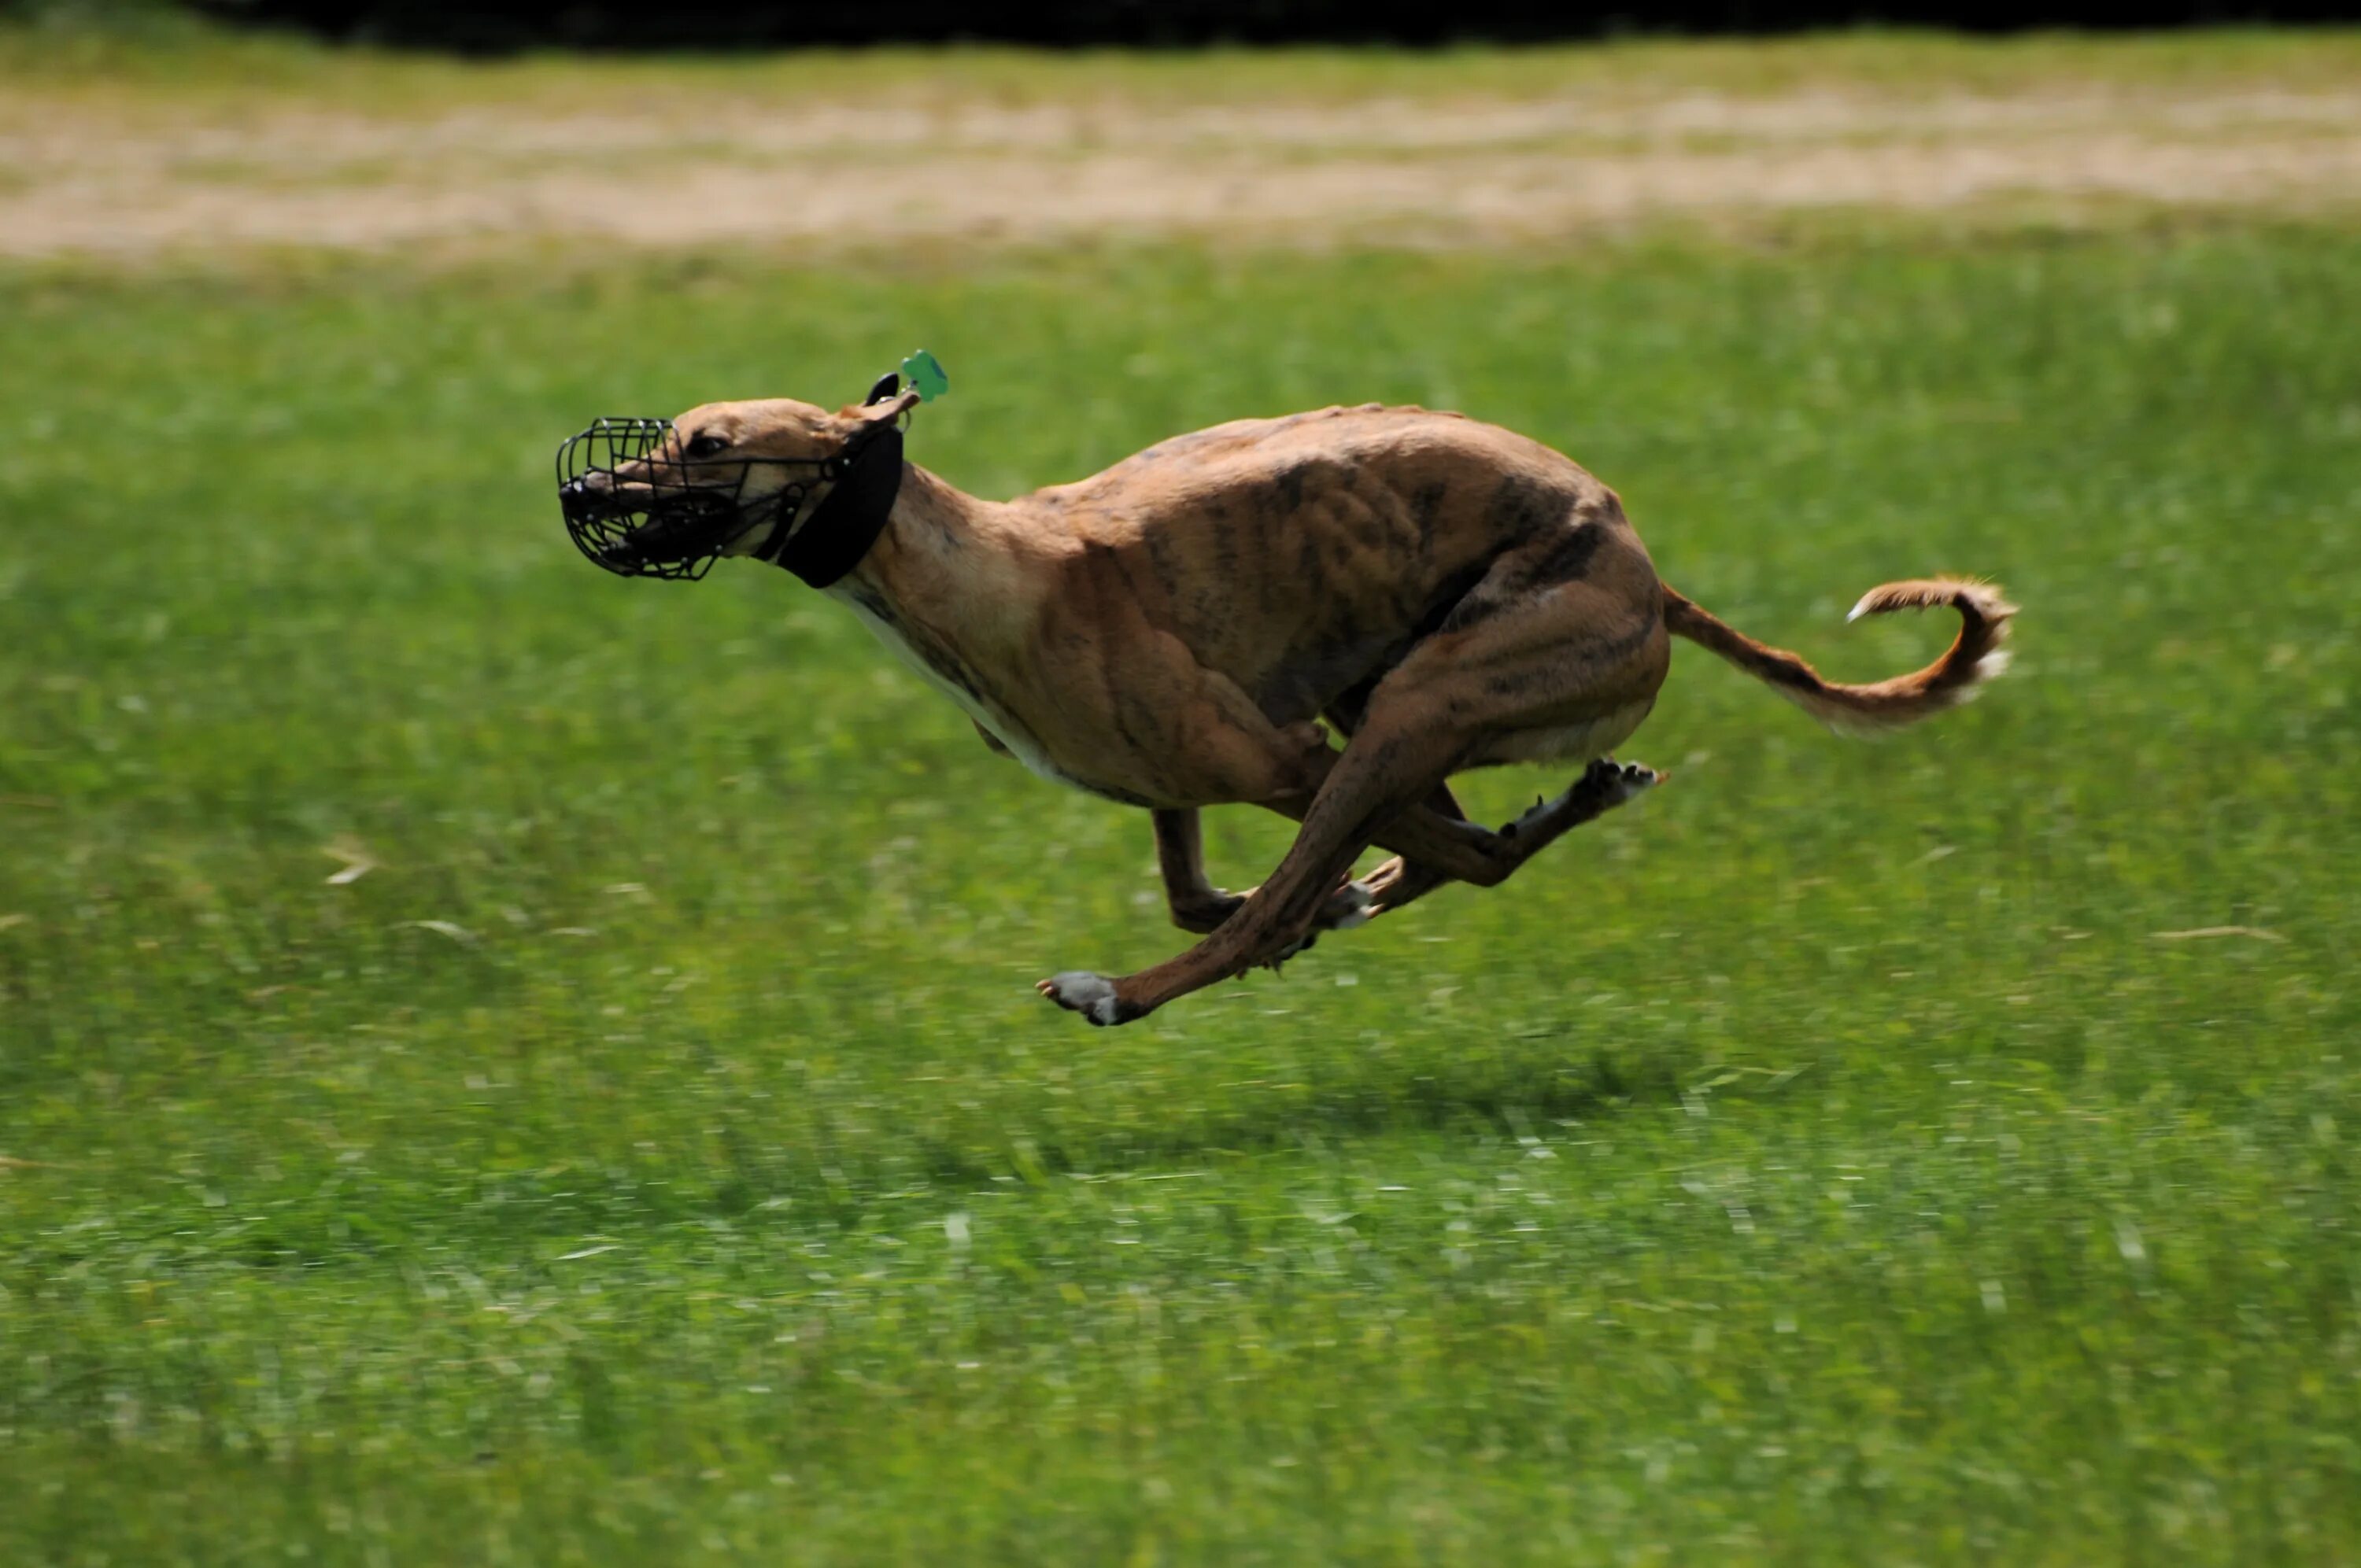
(1510, 1097)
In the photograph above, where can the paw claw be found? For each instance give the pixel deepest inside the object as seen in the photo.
(1633, 779)
(1092, 995)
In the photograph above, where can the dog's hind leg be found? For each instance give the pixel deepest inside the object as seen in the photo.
(1435, 843)
(1552, 657)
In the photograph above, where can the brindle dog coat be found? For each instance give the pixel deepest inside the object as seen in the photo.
(1193, 626)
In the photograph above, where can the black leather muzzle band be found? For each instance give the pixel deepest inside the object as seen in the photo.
(849, 517)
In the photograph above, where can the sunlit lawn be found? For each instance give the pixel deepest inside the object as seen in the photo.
(1934, 1150)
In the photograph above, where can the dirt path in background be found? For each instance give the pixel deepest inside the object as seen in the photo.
(677, 171)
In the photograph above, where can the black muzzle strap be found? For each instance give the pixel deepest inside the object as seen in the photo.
(849, 517)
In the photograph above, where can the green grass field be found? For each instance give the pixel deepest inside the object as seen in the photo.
(658, 1155)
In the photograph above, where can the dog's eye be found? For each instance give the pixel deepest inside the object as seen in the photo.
(708, 446)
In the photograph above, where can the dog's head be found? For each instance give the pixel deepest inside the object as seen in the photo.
(667, 497)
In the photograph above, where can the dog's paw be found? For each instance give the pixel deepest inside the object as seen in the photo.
(1627, 780)
(1353, 903)
(1604, 785)
(1092, 995)
(1349, 906)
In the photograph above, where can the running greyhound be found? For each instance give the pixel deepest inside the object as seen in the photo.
(1193, 626)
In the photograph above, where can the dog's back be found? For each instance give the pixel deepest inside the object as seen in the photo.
(1301, 556)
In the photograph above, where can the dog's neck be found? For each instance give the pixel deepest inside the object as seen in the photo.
(946, 566)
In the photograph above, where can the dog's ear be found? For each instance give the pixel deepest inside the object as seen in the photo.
(891, 406)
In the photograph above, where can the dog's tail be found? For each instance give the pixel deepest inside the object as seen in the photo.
(1976, 657)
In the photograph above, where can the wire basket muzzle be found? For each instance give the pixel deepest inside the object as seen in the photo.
(635, 507)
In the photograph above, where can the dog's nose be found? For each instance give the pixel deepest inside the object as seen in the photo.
(581, 499)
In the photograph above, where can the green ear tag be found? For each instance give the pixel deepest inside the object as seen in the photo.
(925, 374)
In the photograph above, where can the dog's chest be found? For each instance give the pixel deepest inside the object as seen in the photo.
(947, 675)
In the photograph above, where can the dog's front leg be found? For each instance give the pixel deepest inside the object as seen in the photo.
(1383, 771)
(1200, 907)
(1196, 903)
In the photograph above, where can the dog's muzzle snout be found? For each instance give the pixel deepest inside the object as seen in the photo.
(632, 506)
(639, 506)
